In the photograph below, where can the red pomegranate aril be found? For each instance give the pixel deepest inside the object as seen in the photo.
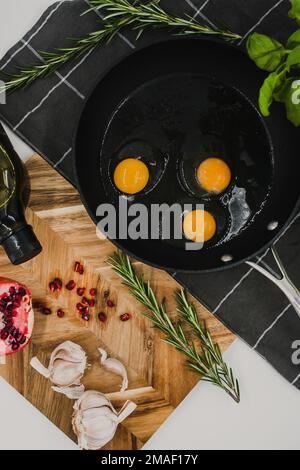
(85, 310)
(81, 270)
(125, 317)
(80, 307)
(85, 301)
(4, 335)
(78, 268)
(60, 313)
(46, 311)
(22, 339)
(80, 291)
(12, 290)
(102, 317)
(91, 302)
(15, 346)
(71, 285)
(52, 286)
(110, 304)
(22, 292)
(93, 292)
(58, 282)
(86, 316)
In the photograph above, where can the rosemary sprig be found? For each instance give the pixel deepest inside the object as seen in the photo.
(151, 14)
(209, 363)
(117, 15)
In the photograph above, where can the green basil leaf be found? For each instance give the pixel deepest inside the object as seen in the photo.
(266, 93)
(294, 57)
(295, 10)
(294, 40)
(266, 52)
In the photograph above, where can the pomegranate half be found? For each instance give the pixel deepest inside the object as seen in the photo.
(16, 316)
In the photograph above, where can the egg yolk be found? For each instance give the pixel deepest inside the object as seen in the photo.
(214, 175)
(131, 176)
(199, 226)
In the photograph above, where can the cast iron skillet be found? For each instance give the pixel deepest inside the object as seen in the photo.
(163, 86)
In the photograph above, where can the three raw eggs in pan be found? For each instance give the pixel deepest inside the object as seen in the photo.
(131, 176)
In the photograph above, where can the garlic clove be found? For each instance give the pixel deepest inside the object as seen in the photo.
(67, 374)
(92, 399)
(67, 365)
(115, 366)
(95, 420)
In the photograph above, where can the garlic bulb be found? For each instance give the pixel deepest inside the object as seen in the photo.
(67, 365)
(114, 365)
(95, 420)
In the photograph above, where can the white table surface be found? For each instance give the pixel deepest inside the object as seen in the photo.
(268, 416)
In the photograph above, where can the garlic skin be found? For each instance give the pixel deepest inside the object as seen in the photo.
(68, 363)
(95, 420)
(115, 366)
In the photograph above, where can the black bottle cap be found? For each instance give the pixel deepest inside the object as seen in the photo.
(22, 245)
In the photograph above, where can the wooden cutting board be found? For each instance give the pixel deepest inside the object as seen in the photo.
(158, 377)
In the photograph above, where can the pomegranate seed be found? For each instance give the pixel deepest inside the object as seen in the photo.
(79, 307)
(4, 335)
(125, 317)
(15, 346)
(91, 302)
(93, 292)
(85, 301)
(60, 313)
(80, 291)
(71, 285)
(22, 339)
(52, 286)
(86, 316)
(55, 285)
(22, 292)
(46, 311)
(85, 310)
(110, 304)
(102, 317)
(78, 268)
(12, 290)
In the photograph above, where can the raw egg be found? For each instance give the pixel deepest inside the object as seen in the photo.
(214, 175)
(131, 176)
(199, 226)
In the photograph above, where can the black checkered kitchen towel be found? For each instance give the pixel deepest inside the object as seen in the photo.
(44, 115)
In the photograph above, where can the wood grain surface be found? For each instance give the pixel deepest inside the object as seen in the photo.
(158, 377)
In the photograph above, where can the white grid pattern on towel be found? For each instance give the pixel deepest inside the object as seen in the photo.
(68, 152)
(271, 326)
(261, 20)
(33, 110)
(198, 12)
(59, 75)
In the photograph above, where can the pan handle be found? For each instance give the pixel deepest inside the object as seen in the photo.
(282, 281)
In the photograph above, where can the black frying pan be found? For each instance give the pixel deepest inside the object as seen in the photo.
(169, 94)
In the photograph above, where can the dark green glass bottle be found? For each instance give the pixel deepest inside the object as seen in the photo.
(16, 236)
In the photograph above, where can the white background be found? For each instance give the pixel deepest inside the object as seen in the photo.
(268, 416)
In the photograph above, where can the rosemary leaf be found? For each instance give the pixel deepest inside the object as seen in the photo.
(209, 362)
(117, 15)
